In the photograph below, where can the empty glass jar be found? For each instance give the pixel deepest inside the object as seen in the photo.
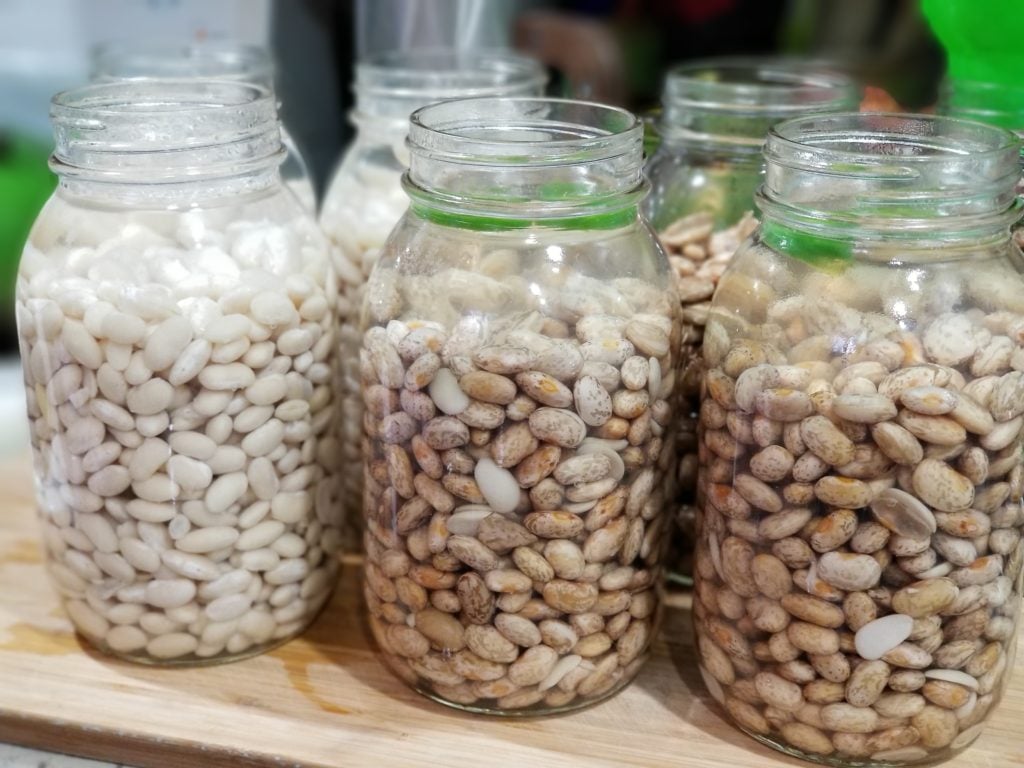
(365, 199)
(858, 566)
(175, 307)
(519, 348)
(703, 177)
(217, 60)
(994, 103)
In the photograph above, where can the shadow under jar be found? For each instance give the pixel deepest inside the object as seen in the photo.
(715, 117)
(859, 541)
(175, 309)
(365, 199)
(517, 361)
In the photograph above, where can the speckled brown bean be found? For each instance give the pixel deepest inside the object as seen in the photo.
(513, 504)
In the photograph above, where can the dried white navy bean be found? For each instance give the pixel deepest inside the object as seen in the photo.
(498, 486)
(878, 637)
(227, 377)
(173, 411)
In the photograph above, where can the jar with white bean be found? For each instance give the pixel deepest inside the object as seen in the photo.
(517, 361)
(365, 199)
(177, 341)
(210, 59)
(859, 556)
(715, 115)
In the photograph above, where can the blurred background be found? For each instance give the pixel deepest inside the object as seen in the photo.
(607, 50)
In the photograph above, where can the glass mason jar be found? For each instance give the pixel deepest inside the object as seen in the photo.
(858, 566)
(365, 199)
(175, 307)
(217, 60)
(518, 354)
(715, 115)
(994, 103)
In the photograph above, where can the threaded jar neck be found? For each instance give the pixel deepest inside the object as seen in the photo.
(390, 86)
(151, 138)
(729, 104)
(873, 176)
(525, 159)
(216, 60)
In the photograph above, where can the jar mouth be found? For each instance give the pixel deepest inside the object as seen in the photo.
(149, 131)
(518, 132)
(736, 100)
(896, 174)
(890, 145)
(394, 84)
(532, 158)
(217, 59)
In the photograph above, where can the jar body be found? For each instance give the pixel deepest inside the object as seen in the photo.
(363, 203)
(177, 367)
(701, 206)
(516, 387)
(859, 549)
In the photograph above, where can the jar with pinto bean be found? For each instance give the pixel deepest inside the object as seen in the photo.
(858, 566)
(175, 307)
(519, 349)
(715, 115)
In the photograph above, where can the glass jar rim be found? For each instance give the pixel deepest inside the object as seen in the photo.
(108, 109)
(864, 141)
(772, 84)
(394, 84)
(144, 131)
(526, 159)
(734, 100)
(890, 175)
(174, 59)
(524, 131)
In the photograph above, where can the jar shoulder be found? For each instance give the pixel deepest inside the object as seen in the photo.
(202, 250)
(439, 273)
(417, 244)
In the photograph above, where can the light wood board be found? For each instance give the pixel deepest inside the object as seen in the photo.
(325, 700)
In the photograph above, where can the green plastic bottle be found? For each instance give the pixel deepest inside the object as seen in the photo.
(985, 59)
(981, 38)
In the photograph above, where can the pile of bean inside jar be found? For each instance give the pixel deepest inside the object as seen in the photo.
(180, 422)
(860, 556)
(699, 254)
(513, 496)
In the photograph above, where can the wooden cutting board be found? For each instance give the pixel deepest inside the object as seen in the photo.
(324, 700)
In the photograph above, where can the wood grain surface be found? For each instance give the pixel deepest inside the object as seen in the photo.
(324, 699)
